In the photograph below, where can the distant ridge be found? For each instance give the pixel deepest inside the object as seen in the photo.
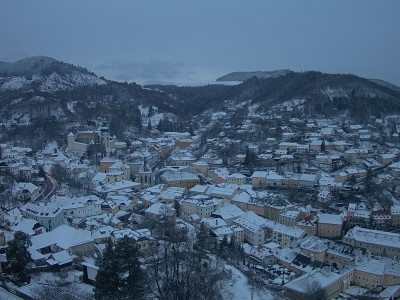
(38, 65)
(386, 84)
(243, 76)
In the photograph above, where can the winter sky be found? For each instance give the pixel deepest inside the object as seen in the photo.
(188, 42)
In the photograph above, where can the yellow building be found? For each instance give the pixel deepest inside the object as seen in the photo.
(330, 225)
(272, 212)
(180, 179)
(377, 242)
(374, 272)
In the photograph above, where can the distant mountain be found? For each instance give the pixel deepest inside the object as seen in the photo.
(243, 76)
(27, 66)
(50, 74)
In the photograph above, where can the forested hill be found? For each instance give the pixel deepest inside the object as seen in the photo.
(40, 95)
(322, 93)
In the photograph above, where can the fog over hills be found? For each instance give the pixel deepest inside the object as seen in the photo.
(243, 76)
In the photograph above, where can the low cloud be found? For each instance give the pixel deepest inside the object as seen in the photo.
(146, 73)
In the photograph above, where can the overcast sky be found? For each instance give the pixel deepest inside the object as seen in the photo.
(197, 41)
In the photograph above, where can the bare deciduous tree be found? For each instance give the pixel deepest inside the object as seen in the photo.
(315, 291)
(177, 271)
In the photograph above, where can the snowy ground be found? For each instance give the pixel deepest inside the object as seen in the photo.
(54, 281)
(7, 295)
(238, 288)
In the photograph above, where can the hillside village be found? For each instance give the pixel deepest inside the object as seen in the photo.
(308, 200)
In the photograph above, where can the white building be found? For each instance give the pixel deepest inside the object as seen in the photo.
(286, 236)
(254, 228)
(201, 205)
(63, 238)
(308, 180)
(237, 178)
(80, 207)
(49, 216)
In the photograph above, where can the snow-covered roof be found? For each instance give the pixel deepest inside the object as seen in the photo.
(380, 266)
(222, 191)
(331, 219)
(201, 189)
(237, 175)
(290, 231)
(308, 177)
(395, 210)
(178, 175)
(290, 213)
(273, 176)
(48, 211)
(253, 222)
(62, 257)
(374, 237)
(314, 244)
(324, 279)
(102, 232)
(25, 225)
(161, 209)
(259, 174)
(242, 197)
(133, 234)
(30, 187)
(395, 165)
(229, 211)
(63, 236)
(213, 222)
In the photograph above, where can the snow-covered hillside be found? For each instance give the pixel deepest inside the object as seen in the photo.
(52, 83)
(56, 82)
(13, 83)
(45, 73)
(156, 117)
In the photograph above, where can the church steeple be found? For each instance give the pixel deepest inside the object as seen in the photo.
(145, 168)
(146, 176)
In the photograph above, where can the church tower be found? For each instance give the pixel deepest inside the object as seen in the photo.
(105, 137)
(146, 177)
(71, 141)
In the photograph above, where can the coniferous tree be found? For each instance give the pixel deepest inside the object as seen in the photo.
(202, 236)
(130, 274)
(352, 180)
(323, 147)
(41, 172)
(177, 207)
(223, 247)
(107, 279)
(368, 181)
(250, 160)
(18, 256)
(191, 130)
(151, 111)
(120, 275)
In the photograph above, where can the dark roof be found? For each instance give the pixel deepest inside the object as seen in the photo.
(303, 261)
